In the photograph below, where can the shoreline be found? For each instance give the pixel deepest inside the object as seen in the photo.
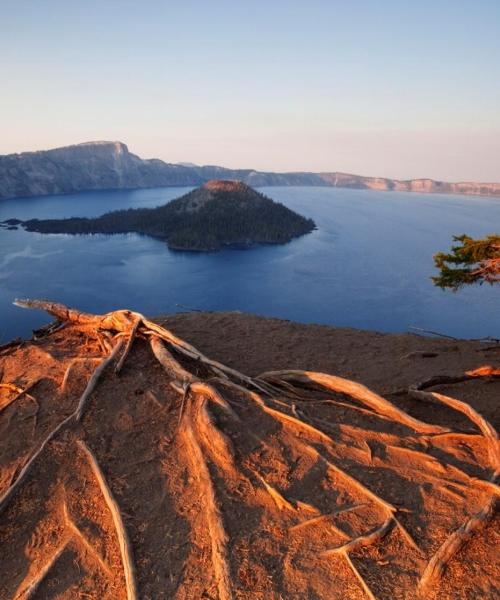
(494, 195)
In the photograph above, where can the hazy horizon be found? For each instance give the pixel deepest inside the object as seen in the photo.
(389, 90)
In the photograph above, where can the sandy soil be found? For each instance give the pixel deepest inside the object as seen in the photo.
(238, 494)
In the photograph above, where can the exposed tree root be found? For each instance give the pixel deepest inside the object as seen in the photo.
(362, 540)
(73, 527)
(321, 518)
(125, 548)
(28, 592)
(437, 564)
(128, 347)
(281, 502)
(359, 577)
(19, 392)
(213, 518)
(173, 369)
(25, 471)
(358, 392)
(94, 380)
(69, 369)
(206, 447)
(407, 536)
(484, 371)
(485, 427)
(386, 507)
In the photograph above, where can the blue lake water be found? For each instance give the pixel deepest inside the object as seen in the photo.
(368, 265)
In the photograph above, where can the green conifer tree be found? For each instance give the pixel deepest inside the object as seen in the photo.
(470, 261)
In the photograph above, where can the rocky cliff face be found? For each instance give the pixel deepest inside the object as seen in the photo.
(424, 186)
(110, 165)
(91, 166)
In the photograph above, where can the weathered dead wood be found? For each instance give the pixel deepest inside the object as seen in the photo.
(128, 347)
(49, 329)
(460, 536)
(386, 507)
(359, 577)
(27, 592)
(362, 540)
(91, 385)
(280, 501)
(326, 517)
(208, 445)
(172, 367)
(121, 532)
(123, 320)
(484, 371)
(358, 392)
(295, 424)
(119, 320)
(7, 495)
(436, 333)
(73, 527)
(19, 392)
(484, 426)
(208, 500)
(438, 563)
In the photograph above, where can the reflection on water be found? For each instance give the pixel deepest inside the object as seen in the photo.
(368, 264)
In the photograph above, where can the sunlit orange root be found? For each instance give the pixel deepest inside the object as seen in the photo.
(28, 467)
(437, 564)
(203, 385)
(201, 475)
(75, 530)
(354, 390)
(19, 391)
(94, 380)
(29, 590)
(121, 533)
(484, 371)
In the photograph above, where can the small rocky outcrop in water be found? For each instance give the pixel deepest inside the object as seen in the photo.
(219, 213)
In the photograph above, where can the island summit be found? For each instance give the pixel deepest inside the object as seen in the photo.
(217, 214)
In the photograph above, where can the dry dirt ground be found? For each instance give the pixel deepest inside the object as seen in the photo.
(178, 479)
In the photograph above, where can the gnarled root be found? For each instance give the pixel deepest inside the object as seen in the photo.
(459, 537)
(358, 392)
(273, 393)
(30, 589)
(436, 566)
(91, 385)
(218, 538)
(121, 533)
(25, 471)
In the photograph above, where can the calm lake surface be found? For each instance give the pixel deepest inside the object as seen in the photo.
(368, 265)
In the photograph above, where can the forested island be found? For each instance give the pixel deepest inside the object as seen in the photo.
(217, 214)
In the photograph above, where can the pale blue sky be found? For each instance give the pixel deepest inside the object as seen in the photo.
(394, 88)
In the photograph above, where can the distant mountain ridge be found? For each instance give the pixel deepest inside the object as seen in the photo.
(110, 165)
